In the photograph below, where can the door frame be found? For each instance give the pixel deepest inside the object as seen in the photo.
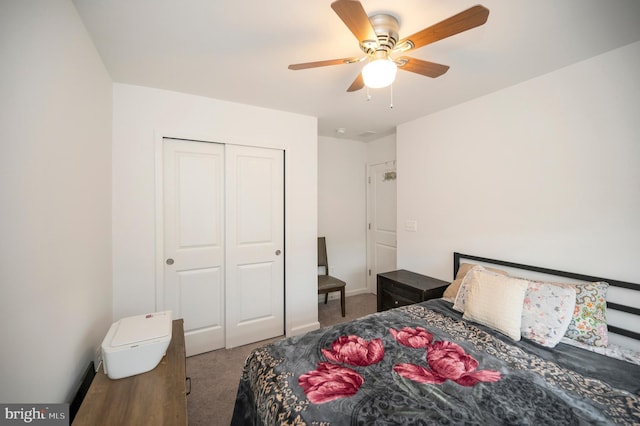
(159, 136)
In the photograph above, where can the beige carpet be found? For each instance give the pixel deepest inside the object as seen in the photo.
(215, 375)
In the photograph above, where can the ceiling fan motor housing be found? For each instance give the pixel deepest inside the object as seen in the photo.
(386, 28)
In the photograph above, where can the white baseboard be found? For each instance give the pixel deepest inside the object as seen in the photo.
(301, 329)
(336, 294)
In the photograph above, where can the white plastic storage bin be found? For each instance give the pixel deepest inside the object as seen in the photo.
(135, 345)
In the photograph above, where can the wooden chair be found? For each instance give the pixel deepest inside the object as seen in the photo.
(327, 283)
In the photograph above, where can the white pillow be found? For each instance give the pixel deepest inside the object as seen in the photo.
(547, 312)
(611, 350)
(461, 298)
(452, 290)
(496, 301)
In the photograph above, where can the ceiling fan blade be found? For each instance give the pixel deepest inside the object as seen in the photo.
(317, 64)
(463, 21)
(357, 84)
(355, 18)
(429, 69)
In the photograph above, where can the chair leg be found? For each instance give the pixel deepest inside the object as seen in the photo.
(342, 301)
(326, 297)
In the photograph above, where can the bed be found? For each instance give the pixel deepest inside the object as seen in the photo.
(500, 351)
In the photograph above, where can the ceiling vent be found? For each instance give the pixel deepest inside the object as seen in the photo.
(367, 134)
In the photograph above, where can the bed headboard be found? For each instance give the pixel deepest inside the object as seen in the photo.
(623, 298)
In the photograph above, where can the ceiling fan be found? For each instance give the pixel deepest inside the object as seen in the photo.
(379, 40)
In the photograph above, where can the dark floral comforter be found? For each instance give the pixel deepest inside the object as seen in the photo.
(423, 364)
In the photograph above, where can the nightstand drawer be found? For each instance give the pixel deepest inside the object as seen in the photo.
(400, 288)
(394, 300)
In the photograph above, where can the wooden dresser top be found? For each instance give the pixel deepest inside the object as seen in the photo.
(156, 397)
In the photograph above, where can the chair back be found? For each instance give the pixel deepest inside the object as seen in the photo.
(322, 255)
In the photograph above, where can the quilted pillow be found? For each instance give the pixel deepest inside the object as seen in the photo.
(452, 290)
(473, 274)
(547, 311)
(589, 322)
(496, 301)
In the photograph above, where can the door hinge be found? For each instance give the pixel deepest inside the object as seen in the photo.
(369, 179)
(369, 272)
(369, 226)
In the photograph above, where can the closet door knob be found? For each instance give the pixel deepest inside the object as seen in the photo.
(169, 261)
(278, 252)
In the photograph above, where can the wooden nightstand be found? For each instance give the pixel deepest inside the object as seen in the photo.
(400, 288)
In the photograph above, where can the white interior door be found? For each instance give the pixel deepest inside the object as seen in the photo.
(254, 244)
(194, 269)
(381, 212)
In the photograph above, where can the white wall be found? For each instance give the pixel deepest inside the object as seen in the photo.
(342, 203)
(546, 172)
(55, 187)
(381, 150)
(141, 115)
(342, 209)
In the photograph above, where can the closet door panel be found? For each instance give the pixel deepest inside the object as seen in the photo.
(254, 244)
(193, 221)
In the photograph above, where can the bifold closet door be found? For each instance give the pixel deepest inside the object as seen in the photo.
(223, 225)
(194, 252)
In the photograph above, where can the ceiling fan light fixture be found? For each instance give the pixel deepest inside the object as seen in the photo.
(379, 73)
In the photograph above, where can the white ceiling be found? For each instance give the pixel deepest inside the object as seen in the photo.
(239, 51)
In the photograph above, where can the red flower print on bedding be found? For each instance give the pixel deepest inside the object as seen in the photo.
(332, 381)
(354, 350)
(447, 360)
(412, 337)
(329, 382)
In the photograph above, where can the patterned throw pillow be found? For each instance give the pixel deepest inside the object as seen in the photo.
(589, 322)
(547, 311)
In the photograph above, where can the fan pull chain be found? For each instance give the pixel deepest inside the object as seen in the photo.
(391, 96)
(368, 94)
